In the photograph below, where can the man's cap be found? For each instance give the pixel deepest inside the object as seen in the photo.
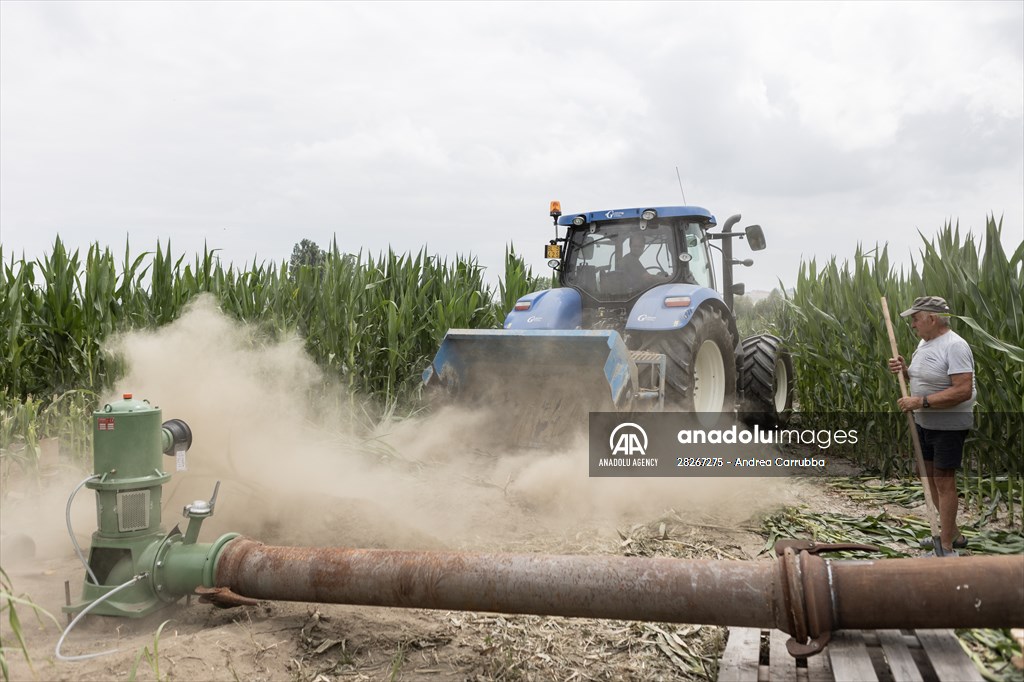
(927, 304)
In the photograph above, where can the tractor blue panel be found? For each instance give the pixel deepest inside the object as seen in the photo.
(591, 357)
(549, 309)
(622, 213)
(650, 312)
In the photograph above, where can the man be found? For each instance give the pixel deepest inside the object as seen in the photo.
(942, 395)
(630, 262)
(636, 272)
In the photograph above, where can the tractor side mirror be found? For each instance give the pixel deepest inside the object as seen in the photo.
(739, 289)
(755, 237)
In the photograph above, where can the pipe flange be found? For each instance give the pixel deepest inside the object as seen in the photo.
(213, 558)
(792, 586)
(807, 594)
(157, 572)
(817, 594)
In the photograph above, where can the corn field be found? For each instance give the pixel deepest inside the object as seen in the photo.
(834, 323)
(372, 322)
(366, 319)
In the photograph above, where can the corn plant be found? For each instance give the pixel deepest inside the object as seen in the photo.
(519, 280)
(152, 657)
(24, 423)
(10, 602)
(20, 426)
(765, 316)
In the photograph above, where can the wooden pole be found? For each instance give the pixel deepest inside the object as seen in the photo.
(925, 480)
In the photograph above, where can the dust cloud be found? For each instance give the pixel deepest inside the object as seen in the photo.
(301, 464)
(33, 517)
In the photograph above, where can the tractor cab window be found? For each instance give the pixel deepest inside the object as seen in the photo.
(693, 256)
(617, 260)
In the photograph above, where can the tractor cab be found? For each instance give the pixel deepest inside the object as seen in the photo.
(617, 260)
(614, 257)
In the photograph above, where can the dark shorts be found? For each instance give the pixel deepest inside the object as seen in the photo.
(944, 449)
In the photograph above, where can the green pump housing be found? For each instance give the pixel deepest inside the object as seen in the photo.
(129, 444)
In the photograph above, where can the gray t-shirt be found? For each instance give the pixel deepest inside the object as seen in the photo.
(929, 371)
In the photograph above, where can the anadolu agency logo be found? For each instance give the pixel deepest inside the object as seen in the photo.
(628, 439)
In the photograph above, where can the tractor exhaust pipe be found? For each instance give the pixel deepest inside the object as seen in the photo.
(727, 277)
(802, 594)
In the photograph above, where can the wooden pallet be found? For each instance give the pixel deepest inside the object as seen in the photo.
(754, 655)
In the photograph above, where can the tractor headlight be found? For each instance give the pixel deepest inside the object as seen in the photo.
(579, 220)
(649, 214)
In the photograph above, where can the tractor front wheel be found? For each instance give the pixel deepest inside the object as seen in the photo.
(700, 368)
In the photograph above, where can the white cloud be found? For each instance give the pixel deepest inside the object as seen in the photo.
(253, 125)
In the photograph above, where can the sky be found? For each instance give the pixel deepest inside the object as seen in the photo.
(450, 126)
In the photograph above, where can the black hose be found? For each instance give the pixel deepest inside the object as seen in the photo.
(180, 434)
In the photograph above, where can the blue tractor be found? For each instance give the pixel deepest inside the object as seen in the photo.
(636, 323)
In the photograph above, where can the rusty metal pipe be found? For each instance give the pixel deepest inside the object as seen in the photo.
(965, 592)
(801, 594)
(658, 589)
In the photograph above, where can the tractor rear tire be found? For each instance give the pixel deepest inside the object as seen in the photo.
(768, 382)
(700, 365)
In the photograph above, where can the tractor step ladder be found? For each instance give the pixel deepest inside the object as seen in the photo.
(650, 372)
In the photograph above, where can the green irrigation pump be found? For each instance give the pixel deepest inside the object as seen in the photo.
(135, 567)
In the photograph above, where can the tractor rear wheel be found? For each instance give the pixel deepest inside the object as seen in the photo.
(768, 381)
(700, 368)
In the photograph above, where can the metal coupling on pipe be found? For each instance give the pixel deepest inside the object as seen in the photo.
(806, 592)
(180, 567)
